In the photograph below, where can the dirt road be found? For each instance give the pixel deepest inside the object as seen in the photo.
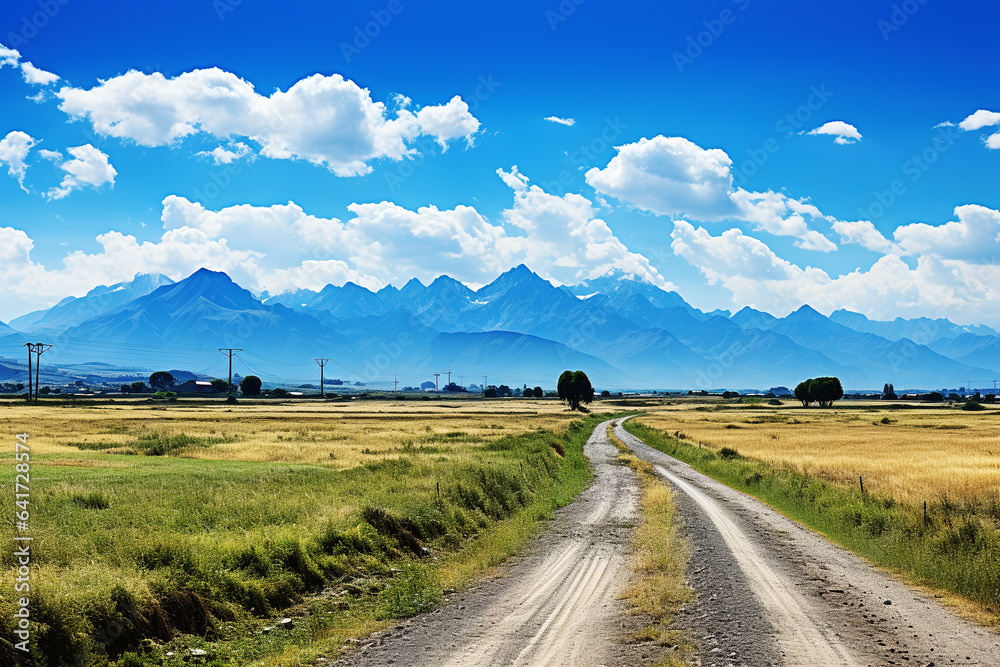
(558, 605)
(768, 592)
(825, 605)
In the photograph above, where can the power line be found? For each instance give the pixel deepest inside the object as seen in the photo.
(230, 351)
(322, 388)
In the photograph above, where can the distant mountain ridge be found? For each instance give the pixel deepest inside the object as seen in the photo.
(518, 328)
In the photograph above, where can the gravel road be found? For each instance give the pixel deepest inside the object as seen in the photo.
(557, 605)
(768, 592)
(825, 605)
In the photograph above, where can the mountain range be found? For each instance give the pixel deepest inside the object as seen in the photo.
(520, 328)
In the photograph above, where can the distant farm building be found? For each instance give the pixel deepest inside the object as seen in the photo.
(195, 387)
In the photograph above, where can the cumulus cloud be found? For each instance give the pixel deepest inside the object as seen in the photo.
(672, 176)
(758, 277)
(983, 118)
(568, 122)
(974, 237)
(14, 150)
(89, 167)
(845, 133)
(9, 57)
(327, 120)
(227, 155)
(863, 233)
(447, 122)
(669, 176)
(37, 77)
(282, 247)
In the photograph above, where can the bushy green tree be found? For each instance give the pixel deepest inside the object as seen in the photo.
(250, 386)
(826, 390)
(220, 385)
(574, 387)
(161, 380)
(802, 392)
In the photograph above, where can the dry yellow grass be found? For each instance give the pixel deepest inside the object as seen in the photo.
(922, 454)
(339, 435)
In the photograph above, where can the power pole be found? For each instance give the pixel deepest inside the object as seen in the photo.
(31, 348)
(230, 351)
(484, 384)
(322, 387)
(394, 383)
(436, 381)
(39, 348)
(449, 376)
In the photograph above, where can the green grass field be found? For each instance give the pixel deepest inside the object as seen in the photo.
(138, 554)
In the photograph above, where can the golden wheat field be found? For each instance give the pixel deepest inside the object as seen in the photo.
(340, 435)
(912, 454)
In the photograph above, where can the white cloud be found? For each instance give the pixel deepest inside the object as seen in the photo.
(52, 156)
(37, 77)
(673, 176)
(89, 167)
(221, 155)
(451, 121)
(568, 122)
(326, 120)
(845, 133)
(757, 277)
(863, 233)
(669, 176)
(980, 119)
(974, 237)
(281, 247)
(9, 57)
(14, 150)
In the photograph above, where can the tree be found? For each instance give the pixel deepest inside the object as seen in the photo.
(220, 385)
(575, 388)
(126, 389)
(826, 390)
(802, 392)
(888, 392)
(250, 386)
(605, 394)
(539, 393)
(934, 397)
(138, 387)
(490, 392)
(503, 391)
(161, 380)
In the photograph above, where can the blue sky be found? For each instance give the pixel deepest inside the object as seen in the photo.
(689, 161)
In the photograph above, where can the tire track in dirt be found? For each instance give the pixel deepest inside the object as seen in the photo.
(826, 605)
(559, 605)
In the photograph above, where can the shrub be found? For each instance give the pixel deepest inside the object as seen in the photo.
(972, 405)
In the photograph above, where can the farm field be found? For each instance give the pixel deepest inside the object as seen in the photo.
(216, 520)
(911, 454)
(930, 507)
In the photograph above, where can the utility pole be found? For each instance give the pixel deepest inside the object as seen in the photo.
(436, 381)
(394, 383)
(449, 376)
(31, 348)
(230, 351)
(322, 387)
(39, 348)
